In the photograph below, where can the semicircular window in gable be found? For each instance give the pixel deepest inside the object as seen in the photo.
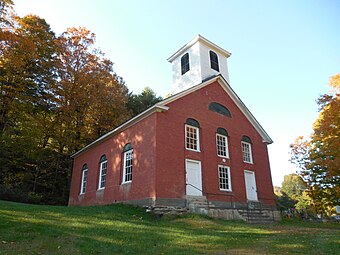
(221, 109)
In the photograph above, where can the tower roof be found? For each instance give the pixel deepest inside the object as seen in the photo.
(199, 38)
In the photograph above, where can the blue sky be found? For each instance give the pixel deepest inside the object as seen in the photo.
(283, 52)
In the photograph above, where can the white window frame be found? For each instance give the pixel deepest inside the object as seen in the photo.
(197, 137)
(125, 166)
(83, 181)
(218, 146)
(213, 63)
(246, 148)
(185, 66)
(101, 175)
(228, 179)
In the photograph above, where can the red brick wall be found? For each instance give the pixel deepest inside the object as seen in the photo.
(171, 153)
(142, 137)
(163, 148)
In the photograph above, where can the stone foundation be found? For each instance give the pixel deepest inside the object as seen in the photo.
(253, 212)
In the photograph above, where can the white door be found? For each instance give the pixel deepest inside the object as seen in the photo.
(249, 177)
(193, 178)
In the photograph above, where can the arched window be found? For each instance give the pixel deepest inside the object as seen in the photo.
(192, 135)
(222, 143)
(222, 131)
(192, 122)
(102, 172)
(214, 61)
(246, 149)
(127, 147)
(246, 139)
(128, 163)
(185, 66)
(83, 179)
(216, 107)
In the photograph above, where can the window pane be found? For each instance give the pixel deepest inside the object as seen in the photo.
(103, 167)
(185, 63)
(246, 152)
(83, 182)
(191, 138)
(214, 61)
(224, 178)
(221, 143)
(128, 163)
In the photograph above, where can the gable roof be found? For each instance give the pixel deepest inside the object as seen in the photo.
(227, 88)
(161, 107)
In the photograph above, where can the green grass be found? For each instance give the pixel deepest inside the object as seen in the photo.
(122, 229)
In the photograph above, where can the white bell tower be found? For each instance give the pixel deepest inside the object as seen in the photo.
(197, 61)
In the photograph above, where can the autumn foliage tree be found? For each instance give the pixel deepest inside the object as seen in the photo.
(318, 157)
(57, 93)
(91, 97)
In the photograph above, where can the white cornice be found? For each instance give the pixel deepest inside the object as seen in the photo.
(200, 39)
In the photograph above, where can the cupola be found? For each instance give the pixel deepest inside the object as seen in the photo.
(197, 61)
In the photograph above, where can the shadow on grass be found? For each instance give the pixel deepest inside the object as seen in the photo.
(122, 229)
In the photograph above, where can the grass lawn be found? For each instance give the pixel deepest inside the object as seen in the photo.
(122, 229)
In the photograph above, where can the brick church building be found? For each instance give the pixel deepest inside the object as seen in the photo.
(200, 144)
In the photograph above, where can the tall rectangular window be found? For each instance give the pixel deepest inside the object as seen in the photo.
(185, 67)
(222, 146)
(246, 152)
(102, 174)
(83, 180)
(224, 178)
(128, 164)
(192, 138)
(214, 61)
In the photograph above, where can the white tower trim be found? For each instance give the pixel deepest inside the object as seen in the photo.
(199, 61)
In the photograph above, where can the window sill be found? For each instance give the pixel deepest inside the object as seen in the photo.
(248, 162)
(192, 150)
(224, 157)
(126, 182)
(226, 190)
(100, 189)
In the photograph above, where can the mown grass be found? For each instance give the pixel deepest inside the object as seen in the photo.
(122, 229)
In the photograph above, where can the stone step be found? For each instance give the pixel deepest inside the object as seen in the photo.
(160, 210)
(199, 205)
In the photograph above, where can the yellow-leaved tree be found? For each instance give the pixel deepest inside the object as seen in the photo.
(318, 157)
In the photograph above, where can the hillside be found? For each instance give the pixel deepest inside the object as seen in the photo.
(122, 229)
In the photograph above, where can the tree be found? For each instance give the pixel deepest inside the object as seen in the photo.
(56, 95)
(27, 67)
(318, 157)
(91, 97)
(140, 102)
(293, 185)
(5, 9)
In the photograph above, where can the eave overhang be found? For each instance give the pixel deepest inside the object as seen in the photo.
(125, 125)
(204, 41)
